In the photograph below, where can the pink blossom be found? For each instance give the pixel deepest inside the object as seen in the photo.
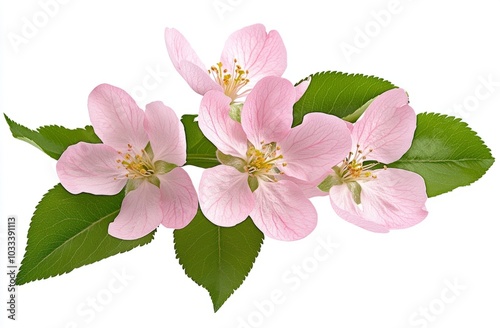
(262, 157)
(142, 151)
(248, 55)
(379, 199)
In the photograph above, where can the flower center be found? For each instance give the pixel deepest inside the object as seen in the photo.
(352, 168)
(263, 163)
(139, 165)
(231, 80)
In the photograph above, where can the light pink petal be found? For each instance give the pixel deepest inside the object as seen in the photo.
(180, 50)
(310, 189)
(387, 127)
(225, 197)
(216, 124)
(261, 53)
(282, 211)
(301, 89)
(91, 168)
(116, 118)
(198, 79)
(178, 198)
(315, 146)
(187, 62)
(343, 204)
(396, 198)
(166, 134)
(140, 213)
(268, 111)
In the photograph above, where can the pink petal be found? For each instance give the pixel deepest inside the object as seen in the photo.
(267, 113)
(343, 204)
(198, 79)
(387, 127)
(301, 89)
(260, 53)
(282, 211)
(225, 197)
(310, 189)
(116, 118)
(180, 50)
(91, 168)
(178, 198)
(315, 146)
(216, 124)
(165, 133)
(140, 213)
(395, 198)
(187, 62)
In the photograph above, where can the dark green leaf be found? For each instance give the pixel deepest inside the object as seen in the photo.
(52, 140)
(217, 258)
(200, 151)
(68, 231)
(338, 94)
(446, 153)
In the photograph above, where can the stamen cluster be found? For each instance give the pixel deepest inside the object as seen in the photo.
(231, 81)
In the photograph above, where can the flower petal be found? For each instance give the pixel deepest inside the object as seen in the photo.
(166, 134)
(315, 146)
(396, 198)
(197, 78)
(178, 198)
(387, 127)
(216, 124)
(267, 113)
(225, 197)
(310, 189)
(180, 50)
(261, 53)
(116, 118)
(282, 211)
(301, 89)
(187, 62)
(91, 168)
(140, 213)
(343, 204)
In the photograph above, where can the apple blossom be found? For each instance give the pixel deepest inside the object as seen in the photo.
(141, 151)
(379, 199)
(248, 55)
(263, 155)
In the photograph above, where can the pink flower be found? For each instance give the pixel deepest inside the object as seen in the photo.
(248, 55)
(263, 156)
(140, 150)
(381, 199)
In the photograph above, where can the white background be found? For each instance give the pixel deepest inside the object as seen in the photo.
(439, 52)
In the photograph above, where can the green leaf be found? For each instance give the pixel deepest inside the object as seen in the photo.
(338, 94)
(200, 151)
(68, 231)
(446, 153)
(217, 258)
(52, 140)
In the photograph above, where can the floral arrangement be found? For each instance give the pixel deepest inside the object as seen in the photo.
(267, 146)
